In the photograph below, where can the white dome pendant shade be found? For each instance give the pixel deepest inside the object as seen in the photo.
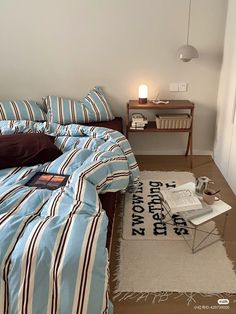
(187, 52)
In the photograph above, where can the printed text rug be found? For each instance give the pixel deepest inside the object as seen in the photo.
(144, 218)
(158, 268)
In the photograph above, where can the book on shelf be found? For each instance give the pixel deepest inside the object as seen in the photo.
(180, 200)
(139, 118)
(138, 124)
(195, 213)
(136, 128)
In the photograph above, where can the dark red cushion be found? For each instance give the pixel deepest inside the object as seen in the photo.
(27, 149)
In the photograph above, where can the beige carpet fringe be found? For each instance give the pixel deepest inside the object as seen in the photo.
(157, 297)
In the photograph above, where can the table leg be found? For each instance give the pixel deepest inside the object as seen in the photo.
(194, 239)
(190, 141)
(190, 149)
(189, 144)
(225, 221)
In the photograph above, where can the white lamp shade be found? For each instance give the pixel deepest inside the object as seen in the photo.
(143, 91)
(187, 53)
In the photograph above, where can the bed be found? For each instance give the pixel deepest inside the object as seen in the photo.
(109, 200)
(53, 256)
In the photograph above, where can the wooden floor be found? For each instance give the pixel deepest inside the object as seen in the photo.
(202, 165)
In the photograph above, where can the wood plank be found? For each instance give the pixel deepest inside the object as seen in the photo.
(173, 104)
(151, 127)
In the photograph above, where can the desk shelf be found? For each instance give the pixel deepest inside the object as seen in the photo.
(151, 127)
(174, 105)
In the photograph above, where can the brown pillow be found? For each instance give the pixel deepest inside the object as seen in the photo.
(27, 149)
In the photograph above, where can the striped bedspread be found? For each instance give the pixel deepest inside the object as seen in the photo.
(52, 243)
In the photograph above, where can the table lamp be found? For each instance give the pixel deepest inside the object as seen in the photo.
(142, 94)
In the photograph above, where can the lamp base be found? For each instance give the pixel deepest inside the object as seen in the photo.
(142, 100)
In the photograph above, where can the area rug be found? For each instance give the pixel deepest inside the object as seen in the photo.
(157, 268)
(144, 216)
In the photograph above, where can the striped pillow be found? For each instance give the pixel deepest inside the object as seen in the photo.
(92, 108)
(97, 106)
(21, 110)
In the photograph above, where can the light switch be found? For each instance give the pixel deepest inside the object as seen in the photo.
(183, 87)
(173, 87)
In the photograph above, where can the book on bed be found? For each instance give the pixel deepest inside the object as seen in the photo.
(50, 181)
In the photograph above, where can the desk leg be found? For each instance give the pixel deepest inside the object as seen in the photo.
(190, 149)
(190, 140)
(189, 144)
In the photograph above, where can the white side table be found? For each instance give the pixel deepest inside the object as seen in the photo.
(219, 208)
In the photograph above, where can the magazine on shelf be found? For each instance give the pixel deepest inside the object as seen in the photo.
(180, 200)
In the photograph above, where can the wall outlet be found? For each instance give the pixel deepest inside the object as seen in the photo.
(173, 87)
(183, 87)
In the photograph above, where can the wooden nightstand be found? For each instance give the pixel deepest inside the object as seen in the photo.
(151, 126)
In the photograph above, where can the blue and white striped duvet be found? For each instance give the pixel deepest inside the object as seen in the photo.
(52, 243)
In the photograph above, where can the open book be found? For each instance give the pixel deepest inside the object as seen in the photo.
(180, 200)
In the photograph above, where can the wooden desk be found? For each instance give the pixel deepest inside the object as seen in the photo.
(151, 126)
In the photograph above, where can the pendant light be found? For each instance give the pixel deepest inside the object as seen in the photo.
(187, 52)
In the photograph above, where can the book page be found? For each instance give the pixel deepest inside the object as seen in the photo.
(182, 198)
(183, 202)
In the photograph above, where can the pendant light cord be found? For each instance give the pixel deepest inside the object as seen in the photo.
(189, 11)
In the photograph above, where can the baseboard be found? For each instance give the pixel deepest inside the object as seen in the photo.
(172, 152)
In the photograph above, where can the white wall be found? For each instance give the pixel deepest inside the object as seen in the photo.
(65, 47)
(226, 95)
